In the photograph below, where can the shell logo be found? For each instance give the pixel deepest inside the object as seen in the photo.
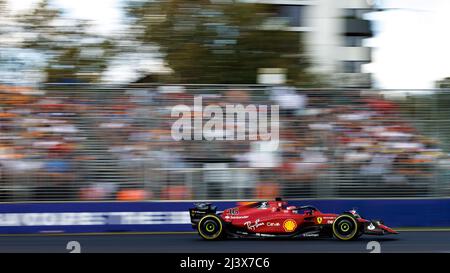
(289, 225)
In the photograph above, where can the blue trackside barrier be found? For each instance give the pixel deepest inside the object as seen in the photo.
(80, 217)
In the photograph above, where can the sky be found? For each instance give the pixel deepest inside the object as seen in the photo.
(410, 47)
(105, 13)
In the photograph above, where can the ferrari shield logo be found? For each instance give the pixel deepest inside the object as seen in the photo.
(319, 220)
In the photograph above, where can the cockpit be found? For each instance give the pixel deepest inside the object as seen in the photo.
(279, 205)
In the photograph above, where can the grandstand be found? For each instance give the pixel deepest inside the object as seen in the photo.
(101, 142)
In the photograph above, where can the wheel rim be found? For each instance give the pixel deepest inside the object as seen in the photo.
(345, 228)
(210, 227)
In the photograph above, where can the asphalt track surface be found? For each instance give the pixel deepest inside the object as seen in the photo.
(406, 241)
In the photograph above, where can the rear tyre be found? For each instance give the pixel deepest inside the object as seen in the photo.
(210, 227)
(346, 228)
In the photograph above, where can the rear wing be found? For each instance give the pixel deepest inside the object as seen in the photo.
(200, 210)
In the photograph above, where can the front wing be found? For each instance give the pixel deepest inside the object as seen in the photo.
(375, 227)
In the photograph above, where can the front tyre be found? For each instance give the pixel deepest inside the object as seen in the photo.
(345, 228)
(210, 227)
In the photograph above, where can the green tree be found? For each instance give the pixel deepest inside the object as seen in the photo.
(3, 15)
(207, 41)
(70, 51)
(11, 62)
(444, 83)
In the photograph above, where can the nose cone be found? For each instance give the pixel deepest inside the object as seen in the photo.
(388, 229)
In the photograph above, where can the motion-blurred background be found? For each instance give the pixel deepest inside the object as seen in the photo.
(87, 89)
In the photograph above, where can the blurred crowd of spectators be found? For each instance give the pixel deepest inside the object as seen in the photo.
(88, 143)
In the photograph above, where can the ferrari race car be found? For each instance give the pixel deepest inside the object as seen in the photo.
(277, 219)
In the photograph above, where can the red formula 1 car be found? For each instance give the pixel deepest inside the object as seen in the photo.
(277, 219)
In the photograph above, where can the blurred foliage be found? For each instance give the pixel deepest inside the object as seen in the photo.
(444, 83)
(5, 23)
(218, 41)
(3, 14)
(201, 41)
(71, 52)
